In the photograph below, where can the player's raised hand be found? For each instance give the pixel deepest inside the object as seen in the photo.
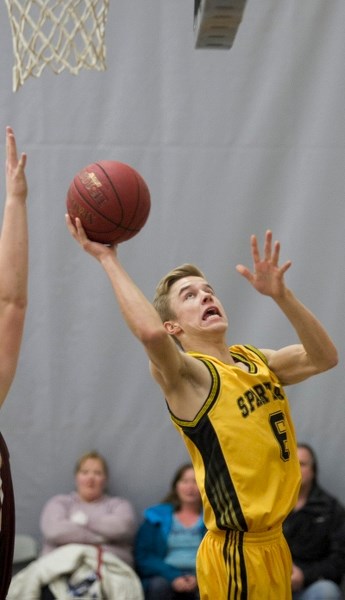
(16, 185)
(267, 276)
(96, 249)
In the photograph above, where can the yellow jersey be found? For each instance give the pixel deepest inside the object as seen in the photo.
(242, 444)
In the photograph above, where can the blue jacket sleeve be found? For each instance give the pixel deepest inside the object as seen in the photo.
(149, 553)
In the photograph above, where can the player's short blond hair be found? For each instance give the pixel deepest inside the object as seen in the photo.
(161, 301)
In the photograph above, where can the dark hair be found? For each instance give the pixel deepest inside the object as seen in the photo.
(314, 465)
(172, 496)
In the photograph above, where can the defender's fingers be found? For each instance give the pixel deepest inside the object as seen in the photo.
(11, 146)
(22, 160)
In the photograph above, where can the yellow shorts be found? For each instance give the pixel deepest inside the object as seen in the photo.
(233, 565)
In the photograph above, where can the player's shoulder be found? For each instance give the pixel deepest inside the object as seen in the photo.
(248, 351)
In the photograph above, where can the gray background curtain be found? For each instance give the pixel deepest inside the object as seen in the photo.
(230, 143)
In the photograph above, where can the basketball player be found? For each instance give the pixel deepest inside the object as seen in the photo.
(231, 409)
(13, 301)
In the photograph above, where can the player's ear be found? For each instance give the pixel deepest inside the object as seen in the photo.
(172, 327)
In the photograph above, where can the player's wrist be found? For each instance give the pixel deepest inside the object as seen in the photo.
(284, 296)
(13, 198)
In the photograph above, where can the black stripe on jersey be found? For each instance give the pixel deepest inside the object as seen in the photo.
(219, 487)
(257, 352)
(211, 398)
(252, 368)
(218, 483)
(243, 572)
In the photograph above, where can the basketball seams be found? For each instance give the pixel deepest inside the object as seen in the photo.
(92, 228)
(94, 189)
(89, 201)
(94, 209)
(141, 186)
(99, 165)
(130, 173)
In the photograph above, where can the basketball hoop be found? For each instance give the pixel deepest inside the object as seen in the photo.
(65, 34)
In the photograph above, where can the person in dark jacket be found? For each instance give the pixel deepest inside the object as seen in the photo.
(168, 539)
(315, 532)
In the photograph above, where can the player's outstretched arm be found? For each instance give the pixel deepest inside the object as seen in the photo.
(139, 314)
(185, 381)
(13, 264)
(316, 352)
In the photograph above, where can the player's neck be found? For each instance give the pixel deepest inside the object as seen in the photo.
(217, 348)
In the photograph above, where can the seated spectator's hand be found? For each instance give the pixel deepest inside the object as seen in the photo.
(297, 579)
(191, 583)
(79, 517)
(187, 583)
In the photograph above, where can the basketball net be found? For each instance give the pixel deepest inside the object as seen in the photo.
(64, 34)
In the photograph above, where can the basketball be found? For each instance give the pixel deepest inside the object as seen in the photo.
(111, 199)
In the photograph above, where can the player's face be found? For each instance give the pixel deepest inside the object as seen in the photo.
(187, 489)
(196, 306)
(91, 480)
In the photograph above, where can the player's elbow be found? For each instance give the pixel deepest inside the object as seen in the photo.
(333, 360)
(153, 337)
(15, 305)
(329, 360)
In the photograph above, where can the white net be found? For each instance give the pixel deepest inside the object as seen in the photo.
(69, 34)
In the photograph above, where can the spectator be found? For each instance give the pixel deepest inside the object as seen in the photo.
(85, 525)
(315, 532)
(88, 515)
(168, 540)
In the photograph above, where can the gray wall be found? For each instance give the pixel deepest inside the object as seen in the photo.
(230, 143)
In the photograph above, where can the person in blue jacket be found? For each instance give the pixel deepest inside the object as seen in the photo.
(168, 540)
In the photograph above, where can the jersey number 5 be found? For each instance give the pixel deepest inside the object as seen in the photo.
(277, 422)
